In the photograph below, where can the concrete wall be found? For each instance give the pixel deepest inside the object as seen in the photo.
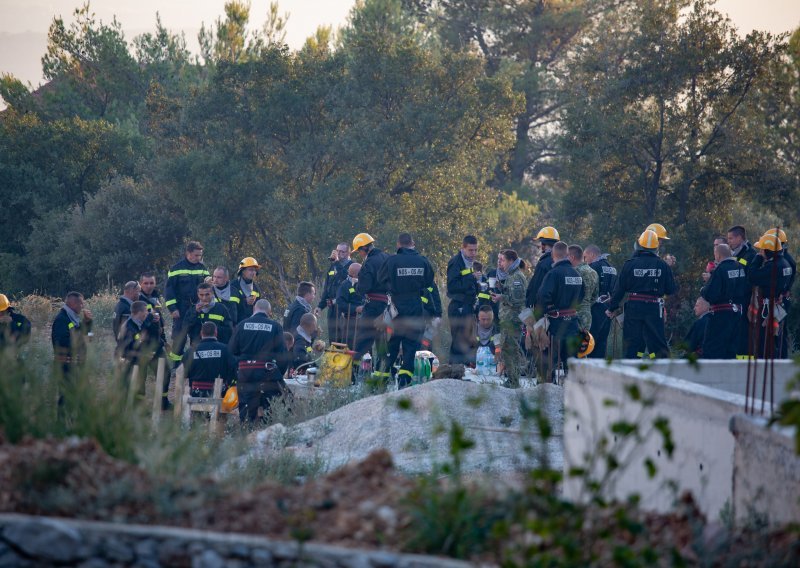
(699, 418)
(729, 376)
(766, 474)
(41, 541)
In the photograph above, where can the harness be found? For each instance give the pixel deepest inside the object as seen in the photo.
(735, 308)
(562, 314)
(649, 299)
(378, 298)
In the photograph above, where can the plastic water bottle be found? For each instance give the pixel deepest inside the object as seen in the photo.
(434, 365)
(426, 370)
(482, 360)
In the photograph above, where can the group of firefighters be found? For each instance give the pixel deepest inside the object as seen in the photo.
(391, 305)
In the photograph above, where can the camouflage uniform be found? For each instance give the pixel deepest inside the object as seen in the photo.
(591, 287)
(513, 290)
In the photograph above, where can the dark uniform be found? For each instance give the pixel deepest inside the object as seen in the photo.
(204, 362)
(728, 292)
(292, 315)
(181, 293)
(432, 304)
(696, 336)
(647, 279)
(337, 273)
(260, 349)
(16, 332)
(542, 268)
(154, 305)
(787, 305)
(244, 290)
(601, 324)
(217, 314)
(139, 344)
(745, 256)
(558, 299)
(370, 328)
(485, 296)
(407, 276)
(347, 301)
(302, 351)
(462, 289)
(230, 297)
(122, 311)
(771, 279)
(69, 343)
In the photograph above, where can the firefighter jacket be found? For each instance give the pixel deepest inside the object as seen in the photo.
(432, 301)
(644, 273)
(15, 332)
(182, 282)
(303, 349)
(244, 290)
(259, 338)
(591, 284)
(230, 297)
(337, 273)
(462, 286)
(69, 338)
(206, 361)
(140, 343)
(760, 274)
(348, 299)
(154, 305)
(793, 265)
(607, 275)
(562, 289)
(513, 290)
(542, 268)
(292, 315)
(407, 276)
(746, 255)
(697, 333)
(218, 314)
(368, 281)
(122, 311)
(728, 284)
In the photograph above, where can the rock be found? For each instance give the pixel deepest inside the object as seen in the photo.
(48, 540)
(146, 549)
(383, 559)
(261, 557)
(208, 559)
(115, 550)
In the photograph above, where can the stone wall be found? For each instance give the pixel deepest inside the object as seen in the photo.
(40, 541)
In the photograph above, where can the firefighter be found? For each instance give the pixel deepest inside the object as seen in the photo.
(741, 247)
(307, 345)
(299, 306)
(547, 237)
(247, 289)
(770, 274)
(559, 297)
(181, 293)
(591, 283)
(432, 304)
(226, 293)
(607, 275)
(151, 296)
(371, 329)
(462, 289)
(70, 331)
(208, 309)
(207, 360)
(511, 296)
(407, 276)
(661, 233)
(647, 279)
(15, 329)
(697, 333)
(337, 273)
(139, 343)
(260, 348)
(727, 293)
(122, 311)
(350, 304)
(783, 350)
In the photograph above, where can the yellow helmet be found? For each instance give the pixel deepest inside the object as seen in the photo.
(548, 234)
(648, 240)
(659, 230)
(362, 240)
(768, 242)
(781, 234)
(249, 262)
(4, 303)
(587, 344)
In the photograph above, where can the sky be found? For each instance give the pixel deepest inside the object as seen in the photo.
(24, 23)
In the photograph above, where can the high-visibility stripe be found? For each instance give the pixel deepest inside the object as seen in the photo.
(352, 290)
(235, 299)
(256, 294)
(174, 357)
(216, 317)
(745, 357)
(466, 271)
(70, 325)
(308, 349)
(405, 372)
(381, 374)
(424, 300)
(186, 272)
(170, 302)
(639, 354)
(484, 296)
(430, 289)
(136, 336)
(652, 355)
(743, 261)
(331, 273)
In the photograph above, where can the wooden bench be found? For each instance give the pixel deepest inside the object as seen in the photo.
(186, 404)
